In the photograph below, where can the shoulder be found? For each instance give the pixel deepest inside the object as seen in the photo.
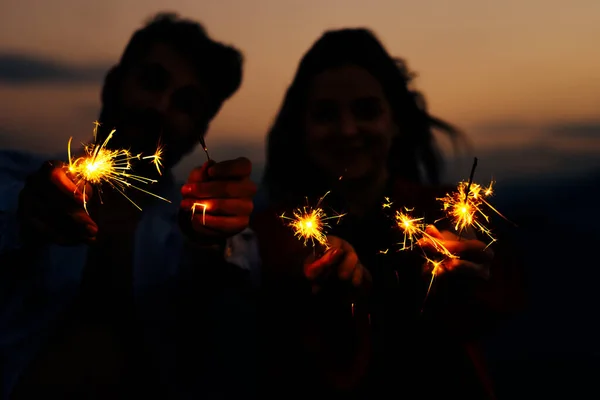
(15, 167)
(18, 164)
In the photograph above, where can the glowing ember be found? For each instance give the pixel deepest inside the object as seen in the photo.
(200, 205)
(101, 165)
(310, 223)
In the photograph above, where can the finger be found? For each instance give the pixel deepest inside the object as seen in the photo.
(68, 218)
(220, 189)
(357, 276)
(433, 246)
(87, 191)
(476, 269)
(200, 174)
(347, 266)
(82, 219)
(434, 232)
(55, 233)
(224, 207)
(60, 180)
(447, 235)
(335, 242)
(231, 169)
(467, 248)
(219, 225)
(315, 269)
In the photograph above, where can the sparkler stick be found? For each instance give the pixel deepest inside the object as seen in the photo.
(469, 189)
(203, 144)
(102, 165)
(204, 206)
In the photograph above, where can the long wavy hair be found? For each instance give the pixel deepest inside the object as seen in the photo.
(414, 155)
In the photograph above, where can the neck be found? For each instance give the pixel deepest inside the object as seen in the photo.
(362, 194)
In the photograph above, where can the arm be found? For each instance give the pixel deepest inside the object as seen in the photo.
(18, 260)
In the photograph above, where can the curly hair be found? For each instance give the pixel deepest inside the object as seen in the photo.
(218, 65)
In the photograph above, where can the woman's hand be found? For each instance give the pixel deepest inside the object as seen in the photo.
(340, 262)
(473, 255)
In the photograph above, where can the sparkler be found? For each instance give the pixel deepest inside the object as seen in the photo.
(201, 205)
(156, 158)
(310, 223)
(465, 207)
(414, 229)
(102, 165)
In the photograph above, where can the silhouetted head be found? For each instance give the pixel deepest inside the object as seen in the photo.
(350, 111)
(170, 82)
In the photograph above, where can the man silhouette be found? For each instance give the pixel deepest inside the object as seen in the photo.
(119, 303)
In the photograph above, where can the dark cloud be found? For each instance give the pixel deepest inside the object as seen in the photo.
(21, 69)
(502, 127)
(8, 138)
(576, 130)
(558, 151)
(535, 164)
(89, 112)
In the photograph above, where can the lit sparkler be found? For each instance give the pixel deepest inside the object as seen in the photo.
(103, 165)
(156, 158)
(200, 205)
(414, 230)
(311, 223)
(465, 206)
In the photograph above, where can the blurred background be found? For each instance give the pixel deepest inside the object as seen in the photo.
(521, 78)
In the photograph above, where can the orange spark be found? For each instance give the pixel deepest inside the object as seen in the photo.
(156, 158)
(102, 165)
(204, 206)
(310, 223)
(467, 209)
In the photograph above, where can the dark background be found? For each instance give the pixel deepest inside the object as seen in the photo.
(522, 80)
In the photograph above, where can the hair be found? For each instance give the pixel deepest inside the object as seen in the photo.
(219, 65)
(285, 172)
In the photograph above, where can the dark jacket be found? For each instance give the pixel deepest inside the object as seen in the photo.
(383, 346)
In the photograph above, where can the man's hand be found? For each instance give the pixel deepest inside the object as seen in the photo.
(219, 198)
(51, 208)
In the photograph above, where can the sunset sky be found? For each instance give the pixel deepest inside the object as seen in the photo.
(522, 78)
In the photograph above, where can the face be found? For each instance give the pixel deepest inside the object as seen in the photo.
(349, 125)
(161, 99)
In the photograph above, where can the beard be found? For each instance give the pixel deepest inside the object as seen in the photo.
(144, 131)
